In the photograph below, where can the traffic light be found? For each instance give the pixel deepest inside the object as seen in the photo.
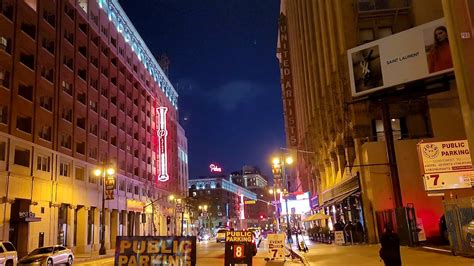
(168, 220)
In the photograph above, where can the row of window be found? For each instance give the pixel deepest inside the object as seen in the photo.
(43, 163)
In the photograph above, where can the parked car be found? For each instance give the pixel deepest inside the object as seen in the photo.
(468, 231)
(220, 237)
(52, 255)
(8, 255)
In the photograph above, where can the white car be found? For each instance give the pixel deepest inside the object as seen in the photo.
(8, 255)
(52, 255)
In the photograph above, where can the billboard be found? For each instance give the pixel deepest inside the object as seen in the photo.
(410, 55)
(297, 204)
(155, 250)
(445, 164)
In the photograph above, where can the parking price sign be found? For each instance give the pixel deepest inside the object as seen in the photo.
(238, 248)
(276, 245)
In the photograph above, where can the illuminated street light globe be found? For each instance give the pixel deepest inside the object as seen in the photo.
(276, 161)
(97, 172)
(110, 171)
(289, 160)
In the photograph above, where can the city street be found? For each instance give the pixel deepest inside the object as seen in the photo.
(211, 253)
(208, 253)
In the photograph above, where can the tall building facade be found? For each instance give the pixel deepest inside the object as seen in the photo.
(183, 173)
(79, 90)
(347, 166)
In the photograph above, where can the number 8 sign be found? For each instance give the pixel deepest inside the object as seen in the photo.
(239, 251)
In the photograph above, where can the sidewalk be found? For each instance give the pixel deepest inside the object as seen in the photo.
(333, 255)
(94, 255)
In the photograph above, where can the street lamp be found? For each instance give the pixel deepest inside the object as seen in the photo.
(277, 212)
(203, 209)
(103, 172)
(278, 169)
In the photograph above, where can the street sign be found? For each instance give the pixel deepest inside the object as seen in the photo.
(179, 207)
(239, 248)
(276, 245)
(109, 194)
(109, 187)
(250, 202)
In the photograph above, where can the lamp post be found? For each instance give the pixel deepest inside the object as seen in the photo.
(203, 209)
(279, 172)
(102, 172)
(152, 204)
(277, 212)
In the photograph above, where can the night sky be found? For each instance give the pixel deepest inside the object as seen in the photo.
(224, 67)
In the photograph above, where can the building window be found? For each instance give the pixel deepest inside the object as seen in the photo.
(6, 44)
(69, 36)
(383, 32)
(366, 35)
(130, 188)
(122, 185)
(93, 153)
(136, 190)
(67, 114)
(48, 45)
(66, 141)
(93, 105)
(47, 103)
(81, 97)
(28, 60)
(398, 129)
(22, 157)
(82, 50)
(64, 169)
(43, 163)
(69, 63)
(45, 133)
(79, 175)
(50, 18)
(3, 145)
(82, 73)
(26, 92)
(93, 129)
(81, 122)
(23, 123)
(104, 135)
(81, 148)
(104, 113)
(29, 29)
(3, 114)
(47, 73)
(4, 79)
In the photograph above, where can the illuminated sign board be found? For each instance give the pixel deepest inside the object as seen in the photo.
(162, 134)
(155, 250)
(215, 168)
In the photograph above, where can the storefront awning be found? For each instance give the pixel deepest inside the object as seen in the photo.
(341, 191)
(316, 216)
(341, 197)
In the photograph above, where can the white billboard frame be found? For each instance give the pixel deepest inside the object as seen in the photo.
(392, 61)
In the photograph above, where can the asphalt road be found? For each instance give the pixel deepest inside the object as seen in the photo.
(208, 253)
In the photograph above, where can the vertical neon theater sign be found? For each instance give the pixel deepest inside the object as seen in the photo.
(162, 134)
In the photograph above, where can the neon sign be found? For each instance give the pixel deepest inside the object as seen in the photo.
(215, 168)
(162, 134)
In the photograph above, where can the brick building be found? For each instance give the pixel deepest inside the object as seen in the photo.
(80, 89)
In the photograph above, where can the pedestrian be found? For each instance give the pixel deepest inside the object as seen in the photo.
(349, 231)
(390, 250)
(359, 231)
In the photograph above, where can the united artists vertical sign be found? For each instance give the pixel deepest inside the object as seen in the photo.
(287, 85)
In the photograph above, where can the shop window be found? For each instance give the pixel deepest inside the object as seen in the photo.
(3, 146)
(3, 114)
(45, 133)
(23, 123)
(22, 157)
(64, 169)
(383, 32)
(43, 163)
(79, 174)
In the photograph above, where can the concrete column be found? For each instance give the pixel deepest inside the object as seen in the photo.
(114, 227)
(107, 229)
(96, 242)
(137, 224)
(70, 226)
(124, 221)
(81, 234)
(6, 215)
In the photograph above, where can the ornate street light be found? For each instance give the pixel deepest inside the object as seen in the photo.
(103, 172)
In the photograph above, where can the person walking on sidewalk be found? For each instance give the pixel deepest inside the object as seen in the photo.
(390, 250)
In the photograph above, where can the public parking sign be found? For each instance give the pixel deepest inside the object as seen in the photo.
(238, 248)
